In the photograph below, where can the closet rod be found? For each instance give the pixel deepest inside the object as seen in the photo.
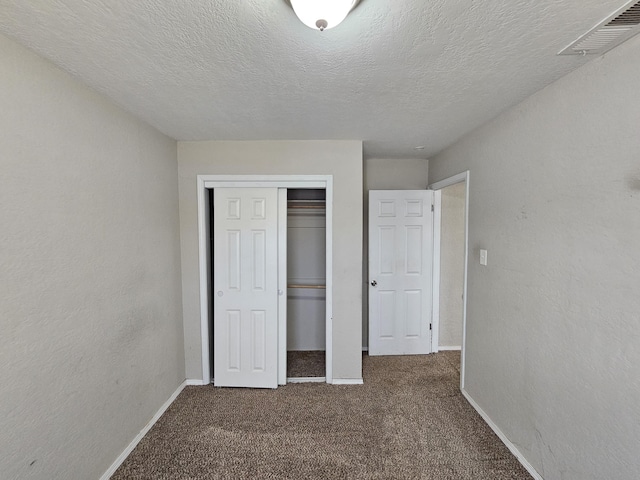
(306, 203)
(307, 286)
(313, 207)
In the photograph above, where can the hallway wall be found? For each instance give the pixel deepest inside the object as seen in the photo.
(452, 265)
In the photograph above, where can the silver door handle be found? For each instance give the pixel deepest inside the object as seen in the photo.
(220, 293)
(374, 283)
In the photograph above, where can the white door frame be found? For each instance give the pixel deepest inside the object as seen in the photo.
(206, 182)
(459, 178)
(435, 272)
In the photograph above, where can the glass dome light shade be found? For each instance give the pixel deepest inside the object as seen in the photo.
(313, 12)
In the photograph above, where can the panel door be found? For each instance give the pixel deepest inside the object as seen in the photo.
(245, 287)
(400, 271)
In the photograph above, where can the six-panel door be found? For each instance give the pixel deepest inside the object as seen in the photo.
(245, 283)
(400, 271)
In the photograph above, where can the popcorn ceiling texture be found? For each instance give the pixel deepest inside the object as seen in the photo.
(395, 74)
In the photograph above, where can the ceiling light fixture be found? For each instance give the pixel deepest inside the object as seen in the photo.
(322, 14)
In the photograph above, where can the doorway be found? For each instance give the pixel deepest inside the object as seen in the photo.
(452, 227)
(206, 183)
(451, 314)
(306, 285)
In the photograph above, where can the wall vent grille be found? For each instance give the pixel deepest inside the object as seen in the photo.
(611, 32)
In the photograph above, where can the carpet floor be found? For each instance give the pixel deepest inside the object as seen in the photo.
(408, 421)
(306, 364)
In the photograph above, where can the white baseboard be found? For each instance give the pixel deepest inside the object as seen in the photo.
(503, 437)
(365, 349)
(306, 379)
(195, 382)
(347, 381)
(123, 456)
(449, 348)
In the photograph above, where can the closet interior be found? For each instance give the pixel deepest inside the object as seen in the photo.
(306, 280)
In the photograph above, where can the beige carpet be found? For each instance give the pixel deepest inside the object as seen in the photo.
(306, 364)
(408, 421)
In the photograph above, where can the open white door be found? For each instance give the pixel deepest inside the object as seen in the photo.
(245, 287)
(400, 271)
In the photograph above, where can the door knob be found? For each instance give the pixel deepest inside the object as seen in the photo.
(374, 283)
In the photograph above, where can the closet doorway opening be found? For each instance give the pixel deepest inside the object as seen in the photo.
(306, 285)
(303, 286)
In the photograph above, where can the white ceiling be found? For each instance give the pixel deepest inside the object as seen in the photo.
(396, 73)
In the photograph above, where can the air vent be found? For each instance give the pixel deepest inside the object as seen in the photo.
(611, 32)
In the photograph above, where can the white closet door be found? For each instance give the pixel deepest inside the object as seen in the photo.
(400, 271)
(245, 286)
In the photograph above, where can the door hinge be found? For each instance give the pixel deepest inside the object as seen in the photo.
(430, 326)
(432, 208)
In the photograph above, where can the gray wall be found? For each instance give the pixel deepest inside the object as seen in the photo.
(386, 174)
(553, 320)
(396, 173)
(451, 265)
(343, 160)
(90, 309)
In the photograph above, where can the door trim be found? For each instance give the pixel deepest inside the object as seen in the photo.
(460, 177)
(282, 282)
(435, 273)
(206, 182)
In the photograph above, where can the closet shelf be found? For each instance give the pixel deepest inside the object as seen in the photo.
(295, 285)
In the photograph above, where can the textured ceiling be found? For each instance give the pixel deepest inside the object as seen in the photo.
(396, 74)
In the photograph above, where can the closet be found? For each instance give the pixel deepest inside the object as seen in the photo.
(306, 280)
